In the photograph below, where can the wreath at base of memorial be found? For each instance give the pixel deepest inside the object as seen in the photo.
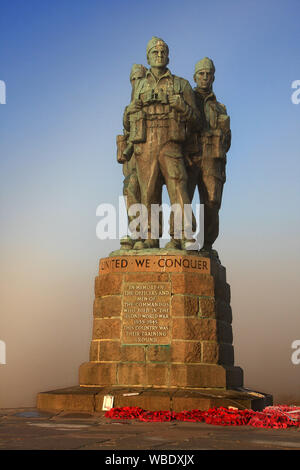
(276, 417)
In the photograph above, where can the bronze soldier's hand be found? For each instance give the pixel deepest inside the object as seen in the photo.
(177, 102)
(134, 106)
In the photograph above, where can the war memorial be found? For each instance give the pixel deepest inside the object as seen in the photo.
(162, 322)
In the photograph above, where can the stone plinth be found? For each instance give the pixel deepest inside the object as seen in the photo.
(162, 338)
(90, 399)
(161, 320)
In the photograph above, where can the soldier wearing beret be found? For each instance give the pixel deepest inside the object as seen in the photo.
(206, 151)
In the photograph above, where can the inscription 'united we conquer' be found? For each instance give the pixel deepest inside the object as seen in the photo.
(146, 312)
(155, 264)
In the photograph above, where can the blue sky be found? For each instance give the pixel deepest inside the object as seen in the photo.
(66, 65)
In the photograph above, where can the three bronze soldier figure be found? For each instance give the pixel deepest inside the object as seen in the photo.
(176, 136)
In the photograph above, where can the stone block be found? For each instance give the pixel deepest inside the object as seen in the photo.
(190, 283)
(108, 284)
(184, 305)
(207, 307)
(94, 351)
(234, 377)
(109, 350)
(217, 353)
(218, 271)
(186, 351)
(68, 401)
(106, 328)
(110, 306)
(157, 374)
(194, 375)
(210, 352)
(222, 291)
(132, 374)
(195, 329)
(224, 332)
(223, 311)
(181, 402)
(148, 400)
(226, 354)
(146, 277)
(158, 353)
(132, 353)
(97, 373)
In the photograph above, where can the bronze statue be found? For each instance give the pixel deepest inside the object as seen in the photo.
(174, 136)
(125, 156)
(206, 151)
(161, 113)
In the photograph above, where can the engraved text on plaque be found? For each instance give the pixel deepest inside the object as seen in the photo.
(146, 313)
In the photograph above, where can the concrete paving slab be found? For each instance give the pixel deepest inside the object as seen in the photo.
(31, 429)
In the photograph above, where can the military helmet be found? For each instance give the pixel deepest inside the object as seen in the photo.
(205, 63)
(154, 41)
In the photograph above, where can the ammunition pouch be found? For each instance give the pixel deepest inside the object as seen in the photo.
(137, 127)
(223, 123)
(177, 127)
(121, 146)
(212, 144)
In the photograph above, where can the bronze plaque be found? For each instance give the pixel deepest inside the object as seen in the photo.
(146, 317)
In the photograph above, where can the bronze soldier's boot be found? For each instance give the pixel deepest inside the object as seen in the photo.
(139, 245)
(190, 245)
(173, 244)
(126, 243)
(151, 243)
